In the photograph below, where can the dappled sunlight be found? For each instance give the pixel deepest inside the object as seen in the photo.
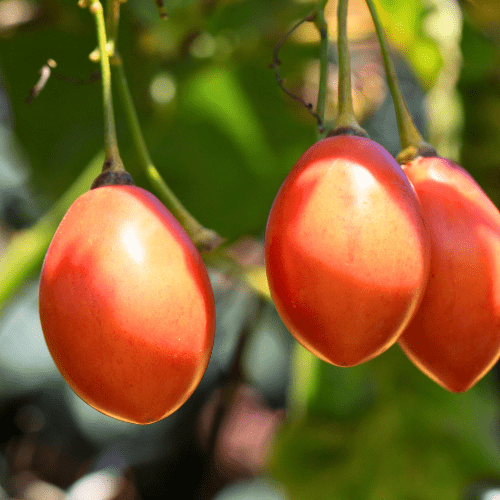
(14, 13)
(196, 88)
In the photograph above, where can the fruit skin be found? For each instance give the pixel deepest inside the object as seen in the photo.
(126, 305)
(347, 252)
(455, 335)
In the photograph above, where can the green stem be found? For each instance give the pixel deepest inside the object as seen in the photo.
(412, 143)
(111, 22)
(346, 110)
(112, 160)
(322, 26)
(24, 253)
(204, 239)
(346, 120)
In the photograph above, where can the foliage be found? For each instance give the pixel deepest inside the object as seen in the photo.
(224, 136)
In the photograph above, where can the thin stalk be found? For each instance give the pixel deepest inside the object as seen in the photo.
(346, 120)
(322, 26)
(412, 143)
(112, 160)
(317, 16)
(161, 9)
(204, 239)
(281, 82)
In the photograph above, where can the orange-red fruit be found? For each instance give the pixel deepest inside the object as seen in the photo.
(126, 305)
(455, 335)
(347, 253)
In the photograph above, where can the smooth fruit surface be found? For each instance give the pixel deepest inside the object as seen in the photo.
(347, 253)
(126, 305)
(455, 335)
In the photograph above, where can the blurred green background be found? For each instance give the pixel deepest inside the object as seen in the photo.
(224, 135)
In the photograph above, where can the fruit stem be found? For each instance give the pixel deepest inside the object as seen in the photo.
(412, 143)
(346, 122)
(205, 239)
(112, 160)
(322, 26)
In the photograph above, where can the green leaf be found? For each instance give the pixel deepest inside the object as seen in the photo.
(417, 441)
(404, 25)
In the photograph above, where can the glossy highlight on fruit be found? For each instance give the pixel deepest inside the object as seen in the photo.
(347, 252)
(455, 335)
(126, 305)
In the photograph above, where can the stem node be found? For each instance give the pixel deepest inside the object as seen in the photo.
(96, 7)
(410, 153)
(349, 129)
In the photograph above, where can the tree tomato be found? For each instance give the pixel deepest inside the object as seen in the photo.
(347, 252)
(126, 305)
(455, 335)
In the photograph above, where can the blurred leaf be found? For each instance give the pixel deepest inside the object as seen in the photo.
(256, 278)
(417, 442)
(480, 93)
(26, 249)
(217, 95)
(62, 128)
(342, 394)
(404, 25)
(484, 14)
(479, 55)
(305, 370)
(216, 155)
